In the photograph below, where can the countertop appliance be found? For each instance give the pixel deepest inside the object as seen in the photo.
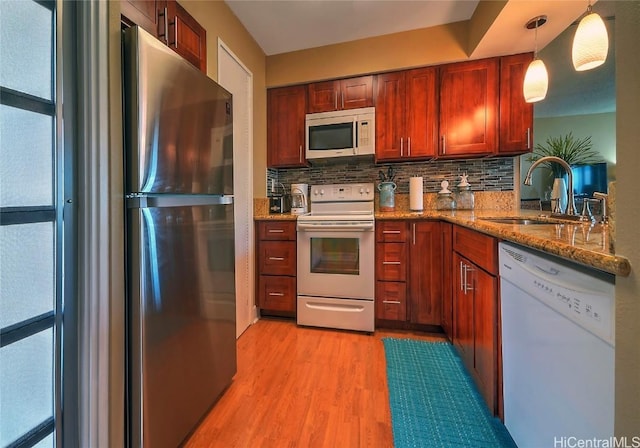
(181, 344)
(299, 199)
(280, 203)
(342, 133)
(557, 349)
(336, 266)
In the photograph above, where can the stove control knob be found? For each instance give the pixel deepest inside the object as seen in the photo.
(361, 191)
(321, 192)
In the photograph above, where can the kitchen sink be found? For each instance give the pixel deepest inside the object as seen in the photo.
(519, 221)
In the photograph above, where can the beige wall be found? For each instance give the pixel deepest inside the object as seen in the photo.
(220, 22)
(427, 46)
(627, 400)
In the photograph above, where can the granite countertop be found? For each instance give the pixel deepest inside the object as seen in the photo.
(585, 244)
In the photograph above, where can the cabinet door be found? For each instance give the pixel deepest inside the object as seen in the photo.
(145, 13)
(425, 287)
(390, 108)
(186, 36)
(350, 93)
(356, 92)
(421, 113)
(462, 311)
(468, 108)
(484, 289)
(447, 278)
(323, 96)
(516, 115)
(286, 108)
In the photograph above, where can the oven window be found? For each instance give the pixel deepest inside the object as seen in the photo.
(335, 256)
(331, 136)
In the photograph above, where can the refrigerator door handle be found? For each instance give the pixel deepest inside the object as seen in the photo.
(143, 200)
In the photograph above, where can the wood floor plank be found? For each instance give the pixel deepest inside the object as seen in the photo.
(304, 387)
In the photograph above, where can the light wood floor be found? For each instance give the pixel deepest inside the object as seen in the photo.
(304, 387)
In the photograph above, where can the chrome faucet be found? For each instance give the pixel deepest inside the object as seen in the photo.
(571, 206)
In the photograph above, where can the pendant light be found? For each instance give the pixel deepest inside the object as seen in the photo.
(590, 43)
(536, 79)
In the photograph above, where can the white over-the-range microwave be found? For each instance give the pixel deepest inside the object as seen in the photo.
(343, 133)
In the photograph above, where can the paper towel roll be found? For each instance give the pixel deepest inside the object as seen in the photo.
(415, 193)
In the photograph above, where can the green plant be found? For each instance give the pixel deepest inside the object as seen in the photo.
(573, 150)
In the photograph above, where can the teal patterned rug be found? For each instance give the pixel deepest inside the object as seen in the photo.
(434, 402)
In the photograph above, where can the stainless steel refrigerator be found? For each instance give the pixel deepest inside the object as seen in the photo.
(181, 338)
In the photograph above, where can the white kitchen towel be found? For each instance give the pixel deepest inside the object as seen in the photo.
(415, 193)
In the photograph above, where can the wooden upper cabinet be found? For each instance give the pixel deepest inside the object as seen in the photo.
(170, 23)
(516, 115)
(286, 108)
(187, 37)
(144, 13)
(407, 115)
(350, 93)
(469, 108)
(390, 115)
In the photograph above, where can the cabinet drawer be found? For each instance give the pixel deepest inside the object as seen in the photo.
(391, 231)
(277, 230)
(391, 301)
(277, 258)
(391, 262)
(477, 247)
(277, 293)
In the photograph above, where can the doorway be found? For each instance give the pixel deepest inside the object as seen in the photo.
(234, 76)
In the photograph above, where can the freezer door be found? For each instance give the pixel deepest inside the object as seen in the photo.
(181, 331)
(178, 123)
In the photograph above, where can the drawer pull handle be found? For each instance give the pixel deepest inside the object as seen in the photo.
(395, 232)
(276, 258)
(391, 262)
(276, 231)
(279, 294)
(394, 302)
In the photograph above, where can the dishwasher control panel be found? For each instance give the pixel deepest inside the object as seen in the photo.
(587, 300)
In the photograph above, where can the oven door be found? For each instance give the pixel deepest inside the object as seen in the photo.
(336, 260)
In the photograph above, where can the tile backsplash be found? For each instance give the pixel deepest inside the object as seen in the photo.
(495, 174)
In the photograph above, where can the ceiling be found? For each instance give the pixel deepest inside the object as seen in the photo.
(289, 25)
(281, 26)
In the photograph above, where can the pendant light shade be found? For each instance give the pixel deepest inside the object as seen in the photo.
(536, 79)
(591, 43)
(536, 82)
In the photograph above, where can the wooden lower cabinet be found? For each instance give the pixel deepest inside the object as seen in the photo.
(425, 277)
(276, 267)
(475, 318)
(409, 270)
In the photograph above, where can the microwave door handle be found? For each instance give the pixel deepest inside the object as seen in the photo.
(355, 133)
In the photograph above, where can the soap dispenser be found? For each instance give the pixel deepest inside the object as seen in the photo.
(445, 199)
(464, 196)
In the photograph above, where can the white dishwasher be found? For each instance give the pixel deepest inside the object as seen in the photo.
(557, 349)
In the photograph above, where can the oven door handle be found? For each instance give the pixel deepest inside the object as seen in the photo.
(336, 227)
